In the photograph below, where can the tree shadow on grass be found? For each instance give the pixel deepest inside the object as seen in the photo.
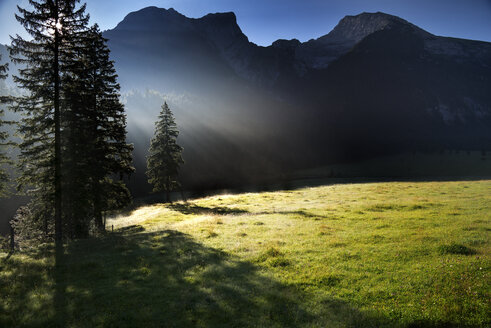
(300, 213)
(188, 208)
(163, 279)
(22, 285)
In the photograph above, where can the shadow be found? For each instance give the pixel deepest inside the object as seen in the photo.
(131, 229)
(163, 279)
(60, 281)
(9, 255)
(301, 213)
(187, 208)
(437, 324)
(20, 278)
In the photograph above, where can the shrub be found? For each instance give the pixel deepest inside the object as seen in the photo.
(27, 230)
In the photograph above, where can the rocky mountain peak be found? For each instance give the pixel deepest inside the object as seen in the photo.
(286, 44)
(354, 28)
(349, 31)
(154, 18)
(222, 29)
(227, 19)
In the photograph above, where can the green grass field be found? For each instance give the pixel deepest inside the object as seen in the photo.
(353, 255)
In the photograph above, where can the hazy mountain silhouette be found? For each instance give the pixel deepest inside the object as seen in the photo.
(376, 84)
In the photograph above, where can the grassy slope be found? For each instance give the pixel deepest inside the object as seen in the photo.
(380, 254)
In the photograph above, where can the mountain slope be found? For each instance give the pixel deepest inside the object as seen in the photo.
(392, 92)
(375, 85)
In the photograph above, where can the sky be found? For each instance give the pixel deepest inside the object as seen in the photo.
(265, 21)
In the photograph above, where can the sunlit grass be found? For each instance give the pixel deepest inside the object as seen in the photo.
(378, 254)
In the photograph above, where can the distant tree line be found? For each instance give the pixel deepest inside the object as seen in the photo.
(73, 150)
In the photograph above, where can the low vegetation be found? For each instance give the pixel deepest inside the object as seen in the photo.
(353, 255)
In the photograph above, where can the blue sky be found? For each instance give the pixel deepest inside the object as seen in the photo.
(264, 21)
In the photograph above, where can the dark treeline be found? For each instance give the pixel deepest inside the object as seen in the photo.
(73, 150)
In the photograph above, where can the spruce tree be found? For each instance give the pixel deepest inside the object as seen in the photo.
(165, 155)
(55, 27)
(97, 153)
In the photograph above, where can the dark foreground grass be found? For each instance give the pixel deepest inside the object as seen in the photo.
(361, 255)
(163, 279)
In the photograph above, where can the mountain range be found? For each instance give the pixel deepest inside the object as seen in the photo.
(375, 85)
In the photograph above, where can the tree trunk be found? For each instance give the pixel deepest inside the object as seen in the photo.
(167, 190)
(97, 210)
(96, 187)
(182, 194)
(57, 119)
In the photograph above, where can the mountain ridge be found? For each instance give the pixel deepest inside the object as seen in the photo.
(384, 19)
(263, 64)
(373, 86)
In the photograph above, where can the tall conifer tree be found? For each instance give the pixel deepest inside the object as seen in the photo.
(112, 155)
(97, 153)
(165, 156)
(55, 27)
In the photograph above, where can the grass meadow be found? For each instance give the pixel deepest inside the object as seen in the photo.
(398, 254)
